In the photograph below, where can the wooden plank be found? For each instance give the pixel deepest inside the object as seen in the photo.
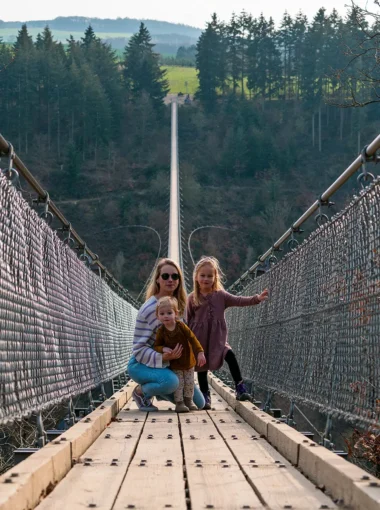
(24, 485)
(97, 477)
(155, 477)
(214, 477)
(284, 487)
(35, 477)
(366, 495)
(342, 480)
(273, 477)
(202, 442)
(213, 486)
(152, 487)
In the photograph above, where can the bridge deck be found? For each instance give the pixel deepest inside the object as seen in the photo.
(191, 461)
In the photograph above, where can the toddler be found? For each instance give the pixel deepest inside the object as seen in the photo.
(171, 333)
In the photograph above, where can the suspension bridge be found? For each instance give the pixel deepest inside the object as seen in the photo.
(67, 327)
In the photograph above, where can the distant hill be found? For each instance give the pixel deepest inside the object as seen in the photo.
(168, 37)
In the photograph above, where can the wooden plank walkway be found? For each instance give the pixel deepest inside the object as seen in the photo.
(192, 461)
(231, 457)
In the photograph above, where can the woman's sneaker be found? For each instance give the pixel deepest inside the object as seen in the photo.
(242, 392)
(143, 403)
(207, 397)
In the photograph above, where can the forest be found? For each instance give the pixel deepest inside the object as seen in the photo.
(266, 133)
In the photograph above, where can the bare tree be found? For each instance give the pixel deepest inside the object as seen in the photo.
(359, 78)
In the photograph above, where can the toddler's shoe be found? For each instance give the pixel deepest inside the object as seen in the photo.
(242, 392)
(207, 397)
(190, 404)
(143, 403)
(181, 408)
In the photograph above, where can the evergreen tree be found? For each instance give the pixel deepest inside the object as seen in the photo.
(286, 41)
(105, 65)
(51, 62)
(89, 37)
(299, 30)
(234, 53)
(23, 75)
(142, 73)
(211, 62)
(6, 84)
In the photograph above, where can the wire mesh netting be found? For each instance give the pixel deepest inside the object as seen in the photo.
(63, 330)
(317, 339)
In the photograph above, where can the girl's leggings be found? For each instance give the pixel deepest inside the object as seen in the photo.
(233, 365)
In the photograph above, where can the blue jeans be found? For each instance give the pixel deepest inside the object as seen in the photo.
(161, 382)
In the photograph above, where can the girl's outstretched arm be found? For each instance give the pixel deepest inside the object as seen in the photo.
(231, 300)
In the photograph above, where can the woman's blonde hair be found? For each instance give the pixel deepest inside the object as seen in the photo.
(218, 281)
(154, 288)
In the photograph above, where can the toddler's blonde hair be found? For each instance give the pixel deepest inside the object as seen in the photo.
(218, 281)
(168, 301)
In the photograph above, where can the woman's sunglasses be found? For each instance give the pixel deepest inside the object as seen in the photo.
(166, 276)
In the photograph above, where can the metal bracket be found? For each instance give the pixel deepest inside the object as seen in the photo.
(42, 436)
(321, 217)
(91, 406)
(290, 417)
(327, 436)
(71, 418)
(46, 214)
(268, 402)
(366, 177)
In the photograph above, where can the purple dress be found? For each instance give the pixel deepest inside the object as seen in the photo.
(208, 323)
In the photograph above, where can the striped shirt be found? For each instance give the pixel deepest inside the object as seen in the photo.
(145, 335)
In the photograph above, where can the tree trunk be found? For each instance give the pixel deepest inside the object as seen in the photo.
(19, 115)
(72, 126)
(320, 129)
(58, 125)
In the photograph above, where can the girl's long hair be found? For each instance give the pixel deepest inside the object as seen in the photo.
(218, 281)
(154, 288)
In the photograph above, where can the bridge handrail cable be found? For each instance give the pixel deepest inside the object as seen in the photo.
(6, 149)
(367, 153)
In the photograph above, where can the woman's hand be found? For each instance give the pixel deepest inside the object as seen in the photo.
(174, 354)
(166, 349)
(201, 359)
(264, 295)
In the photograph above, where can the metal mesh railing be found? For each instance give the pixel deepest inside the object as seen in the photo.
(63, 330)
(317, 340)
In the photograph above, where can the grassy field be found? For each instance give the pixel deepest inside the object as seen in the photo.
(58, 35)
(179, 76)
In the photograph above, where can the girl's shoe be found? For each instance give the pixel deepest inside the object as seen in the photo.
(143, 403)
(207, 397)
(181, 408)
(242, 392)
(190, 404)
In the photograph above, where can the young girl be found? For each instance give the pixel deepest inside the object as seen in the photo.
(205, 317)
(172, 333)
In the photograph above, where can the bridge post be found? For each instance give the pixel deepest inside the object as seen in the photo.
(42, 436)
(174, 248)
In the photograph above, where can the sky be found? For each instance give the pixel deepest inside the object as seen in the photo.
(195, 12)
